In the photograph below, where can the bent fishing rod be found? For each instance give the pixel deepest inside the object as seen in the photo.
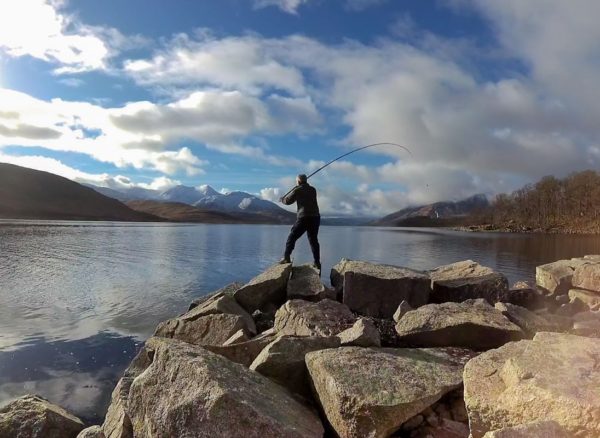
(348, 153)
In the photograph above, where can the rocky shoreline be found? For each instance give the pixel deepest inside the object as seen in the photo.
(385, 351)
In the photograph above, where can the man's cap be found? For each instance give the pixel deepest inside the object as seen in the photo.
(302, 178)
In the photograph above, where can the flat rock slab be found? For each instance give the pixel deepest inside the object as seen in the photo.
(538, 429)
(305, 283)
(268, 288)
(363, 333)
(229, 290)
(471, 324)
(214, 329)
(529, 322)
(187, 391)
(557, 278)
(243, 353)
(283, 360)
(587, 276)
(377, 290)
(304, 318)
(222, 304)
(552, 377)
(32, 416)
(371, 392)
(466, 280)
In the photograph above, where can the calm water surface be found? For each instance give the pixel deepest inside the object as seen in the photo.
(78, 298)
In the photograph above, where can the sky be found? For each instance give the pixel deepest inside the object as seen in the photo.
(488, 95)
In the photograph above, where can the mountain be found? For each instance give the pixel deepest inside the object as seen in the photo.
(126, 193)
(187, 195)
(438, 213)
(32, 194)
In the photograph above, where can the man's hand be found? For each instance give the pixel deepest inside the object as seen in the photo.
(281, 200)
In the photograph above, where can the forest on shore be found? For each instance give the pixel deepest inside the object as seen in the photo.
(553, 205)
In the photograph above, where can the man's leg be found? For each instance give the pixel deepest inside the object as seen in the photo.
(295, 233)
(312, 231)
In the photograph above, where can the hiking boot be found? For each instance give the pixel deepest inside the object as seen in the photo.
(284, 261)
(317, 266)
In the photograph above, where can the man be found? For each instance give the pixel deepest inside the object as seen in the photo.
(308, 219)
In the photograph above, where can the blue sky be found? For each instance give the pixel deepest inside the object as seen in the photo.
(244, 94)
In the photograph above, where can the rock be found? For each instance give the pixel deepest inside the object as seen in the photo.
(587, 276)
(587, 324)
(556, 278)
(525, 295)
(371, 392)
(552, 377)
(377, 290)
(413, 423)
(571, 308)
(537, 429)
(465, 280)
(228, 290)
(188, 391)
(224, 304)
(471, 324)
(237, 337)
(305, 284)
(267, 288)
(243, 353)
(264, 320)
(303, 318)
(283, 360)
(401, 310)
(205, 330)
(445, 429)
(590, 299)
(529, 322)
(91, 432)
(32, 416)
(362, 334)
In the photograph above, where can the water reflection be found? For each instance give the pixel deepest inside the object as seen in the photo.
(75, 298)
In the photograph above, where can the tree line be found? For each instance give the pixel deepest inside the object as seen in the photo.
(552, 204)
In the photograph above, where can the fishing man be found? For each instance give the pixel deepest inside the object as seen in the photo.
(308, 219)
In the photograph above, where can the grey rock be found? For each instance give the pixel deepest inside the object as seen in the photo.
(214, 329)
(188, 391)
(525, 295)
(446, 428)
(362, 334)
(32, 416)
(401, 310)
(304, 318)
(237, 337)
(267, 288)
(243, 353)
(557, 278)
(305, 284)
(377, 290)
(537, 429)
(283, 360)
(371, 392)
(91, 432)
(587, 324)
(590, 299)
(471, 324)
(228, 290)
(554, 377)
(587, 276)
(529, 322)
(465, 280)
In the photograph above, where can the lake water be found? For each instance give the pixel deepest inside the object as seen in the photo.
(78, 298)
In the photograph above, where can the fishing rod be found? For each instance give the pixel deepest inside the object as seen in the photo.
(348, 153)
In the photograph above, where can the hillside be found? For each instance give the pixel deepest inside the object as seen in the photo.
(180, 212)
(32, 194)
(436, 214)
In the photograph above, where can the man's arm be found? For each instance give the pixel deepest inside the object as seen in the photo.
(289, 199)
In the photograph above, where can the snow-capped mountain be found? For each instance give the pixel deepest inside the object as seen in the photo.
(236, 201)
(187, 195)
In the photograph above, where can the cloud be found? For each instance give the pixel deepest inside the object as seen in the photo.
(359, 5)
(289, 6)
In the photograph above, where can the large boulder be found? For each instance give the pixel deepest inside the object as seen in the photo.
(32, 416)
(529, 322)
(537, 429)
(305, 284)
(557, 278)
(552, 377)
(590, 299)
(243, 353)
(188, 391)
(471, 324)
(92, 432)
(586, 324)
(214, 329)
(268, 288)
(465, 280)
(304, 318)
(587, 276)
(229, 290)
(363, 333)
(370, 392)
(377, 290)
(283, 360)
(221, 304)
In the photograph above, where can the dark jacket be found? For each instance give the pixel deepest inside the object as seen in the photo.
(305, 197)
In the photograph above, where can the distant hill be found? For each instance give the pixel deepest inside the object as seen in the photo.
(32, 194)
(436, 214)
(180, 212)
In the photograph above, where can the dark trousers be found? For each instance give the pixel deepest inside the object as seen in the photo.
(310, 225)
